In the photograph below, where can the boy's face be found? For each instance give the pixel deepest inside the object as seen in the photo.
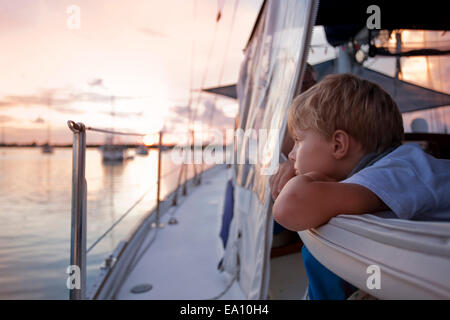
(312, 152)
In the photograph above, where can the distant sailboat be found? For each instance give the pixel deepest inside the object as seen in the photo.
(47, 148)
(110, 151)
(142, 150)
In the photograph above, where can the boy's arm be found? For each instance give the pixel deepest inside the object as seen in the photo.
(306, 203)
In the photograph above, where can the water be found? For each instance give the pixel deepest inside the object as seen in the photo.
(35, 214)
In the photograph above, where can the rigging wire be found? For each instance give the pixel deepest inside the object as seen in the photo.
(191, 80)
(222, 69)
(120, 219)
(205, 73)
(137, 133)
(118, 132)
(191, 85)
(202, 84)
(127, 212)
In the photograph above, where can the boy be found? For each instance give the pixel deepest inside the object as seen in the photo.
(339, 125)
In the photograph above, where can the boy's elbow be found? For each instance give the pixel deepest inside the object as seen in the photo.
(301, 205)
(297, 214)
(287, 216)
(279, 213)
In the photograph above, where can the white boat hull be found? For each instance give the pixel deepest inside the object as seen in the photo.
(113, 153)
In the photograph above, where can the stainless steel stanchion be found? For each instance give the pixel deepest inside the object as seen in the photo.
(78, 229)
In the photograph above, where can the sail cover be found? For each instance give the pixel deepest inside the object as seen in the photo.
(270, 72)
(227, 91)
(408, 96)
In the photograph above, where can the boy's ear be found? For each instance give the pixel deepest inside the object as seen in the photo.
(340, 142)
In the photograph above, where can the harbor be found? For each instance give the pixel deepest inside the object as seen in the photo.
(35, 228)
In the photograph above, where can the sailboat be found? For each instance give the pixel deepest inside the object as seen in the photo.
(112, 152)
(251, 260)
(47, 148)
(142, 150)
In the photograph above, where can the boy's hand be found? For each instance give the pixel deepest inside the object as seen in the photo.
(285, 172)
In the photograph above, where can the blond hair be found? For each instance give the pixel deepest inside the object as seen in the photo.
(345, 102)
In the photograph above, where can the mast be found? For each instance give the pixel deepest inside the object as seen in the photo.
(3, 135)
(49, 103)
(398, 49)
(112, 119)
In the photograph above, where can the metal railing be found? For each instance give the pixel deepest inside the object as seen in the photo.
(79, 194)
(78, 252)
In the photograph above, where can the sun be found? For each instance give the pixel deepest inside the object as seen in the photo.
(150, 139)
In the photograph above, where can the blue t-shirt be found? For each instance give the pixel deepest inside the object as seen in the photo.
(412, 183)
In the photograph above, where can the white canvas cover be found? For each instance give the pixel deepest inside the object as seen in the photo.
(413, 257)
(273, 64)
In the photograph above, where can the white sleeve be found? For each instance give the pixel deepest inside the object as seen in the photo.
(404, 181)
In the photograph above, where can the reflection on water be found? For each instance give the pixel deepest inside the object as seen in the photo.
(35, 213)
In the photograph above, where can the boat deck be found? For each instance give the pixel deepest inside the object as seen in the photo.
(180, 261)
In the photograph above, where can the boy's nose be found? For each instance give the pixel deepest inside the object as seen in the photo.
(291, 155)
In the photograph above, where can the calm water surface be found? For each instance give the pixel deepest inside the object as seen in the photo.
(35, 214)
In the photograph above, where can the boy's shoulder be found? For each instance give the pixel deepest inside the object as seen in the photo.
(411, 155)
(407, 150)
(408, 180)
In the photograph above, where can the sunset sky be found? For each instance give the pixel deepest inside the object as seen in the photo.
(140, 52)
